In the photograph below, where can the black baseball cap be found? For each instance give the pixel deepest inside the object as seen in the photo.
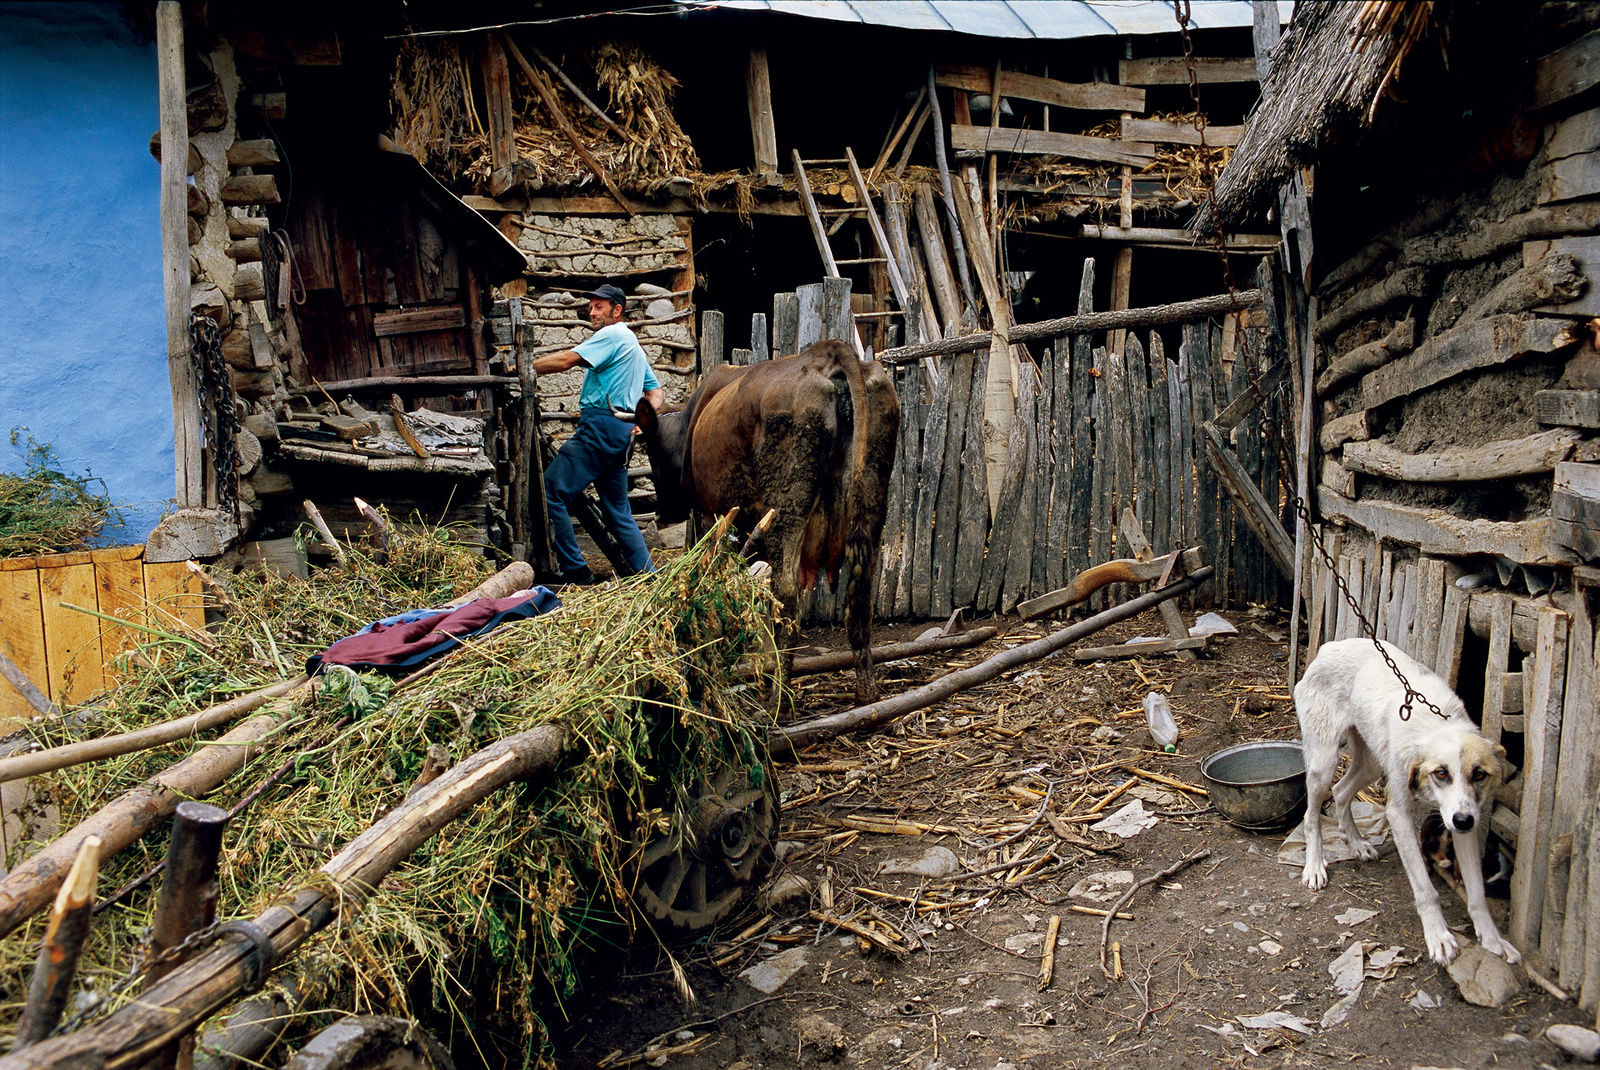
(608, 292)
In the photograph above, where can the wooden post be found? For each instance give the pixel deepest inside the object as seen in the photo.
(187, 456)
(63, 942)
(758, 337)
(758, 88)
(813, 315)
(188, 899)
(785, 324)
(187, 902)
(711, 345)
(498, 111)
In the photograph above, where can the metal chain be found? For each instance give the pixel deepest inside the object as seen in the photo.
(196, 940)
(1182, 11)
(219, 420)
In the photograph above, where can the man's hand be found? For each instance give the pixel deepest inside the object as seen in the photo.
(555, 362)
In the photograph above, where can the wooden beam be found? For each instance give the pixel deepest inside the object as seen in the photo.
(1179, 312)
(1179, 238)
(1174, 70)
(417, 320)
(1259, 516)
(389, 383)
(1049, 143)
(1567, 71)
(1184, 647)
(1480, 344)
(500, 116)
(1176, 133)
(1505, 459)
(1568, 408)
(1435, 531)
(1086, 96)
(186, 436)
(763, 132)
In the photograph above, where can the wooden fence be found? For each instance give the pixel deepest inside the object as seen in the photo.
(1096, 433)
(68, 653)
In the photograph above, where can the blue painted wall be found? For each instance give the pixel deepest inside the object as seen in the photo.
(82, 337)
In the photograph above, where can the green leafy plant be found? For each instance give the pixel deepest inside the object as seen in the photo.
(44, 509)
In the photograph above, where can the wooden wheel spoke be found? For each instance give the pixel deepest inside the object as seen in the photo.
(655, 851)
(697, 887)
(672, 882)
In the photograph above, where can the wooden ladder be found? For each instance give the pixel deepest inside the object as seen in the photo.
(864, 208)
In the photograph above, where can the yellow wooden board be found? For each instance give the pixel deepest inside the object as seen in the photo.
(174, 594)
(22, 638)
(72, 638)
(119, 582)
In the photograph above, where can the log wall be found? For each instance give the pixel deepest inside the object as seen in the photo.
(1458, 388)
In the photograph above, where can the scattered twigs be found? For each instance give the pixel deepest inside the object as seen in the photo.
(1017, 863)
(314, 515)
(887, 652)
(1105, 930)
(1168, 781)
(1545, 983)
(866, 932)
(91, 750)
(1030, 826)
(1047, 961)
(879, 713)
(24, 686)
(63, 942)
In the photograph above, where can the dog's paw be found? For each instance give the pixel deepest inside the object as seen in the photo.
(1496, 944)
(1442, 946)
(1315, 875)
(1365, 850)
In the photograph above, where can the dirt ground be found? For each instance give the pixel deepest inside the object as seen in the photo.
(1232, 934)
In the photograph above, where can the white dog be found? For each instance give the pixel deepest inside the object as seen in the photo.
(1426, 763)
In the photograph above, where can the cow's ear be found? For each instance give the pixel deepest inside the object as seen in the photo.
(644, 415)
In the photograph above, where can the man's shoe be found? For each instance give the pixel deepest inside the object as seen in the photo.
(579, 577)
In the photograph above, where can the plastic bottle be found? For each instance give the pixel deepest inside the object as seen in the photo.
(1163, 729)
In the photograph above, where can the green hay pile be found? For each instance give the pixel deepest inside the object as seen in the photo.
(489, 920)
(46, 510)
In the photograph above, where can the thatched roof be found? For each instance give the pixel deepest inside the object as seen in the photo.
(1328, 73)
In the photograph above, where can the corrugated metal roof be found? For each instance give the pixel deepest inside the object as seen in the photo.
(1050, 20)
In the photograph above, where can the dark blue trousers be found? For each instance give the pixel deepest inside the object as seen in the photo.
(596, 453)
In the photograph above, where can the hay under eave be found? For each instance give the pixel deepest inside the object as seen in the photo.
(1327, 73)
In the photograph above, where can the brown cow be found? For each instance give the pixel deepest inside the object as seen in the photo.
(811, 436)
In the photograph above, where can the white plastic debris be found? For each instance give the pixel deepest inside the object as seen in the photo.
(1276, 1020)
(1127, 822)
(1211, 624)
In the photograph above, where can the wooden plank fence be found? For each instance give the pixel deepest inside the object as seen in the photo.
(66, 653)
(1095, 433)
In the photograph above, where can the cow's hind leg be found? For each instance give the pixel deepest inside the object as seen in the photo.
(857, 577)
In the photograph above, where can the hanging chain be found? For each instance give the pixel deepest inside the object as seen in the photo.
(196, 940)
(219, 419)
(1182, 11)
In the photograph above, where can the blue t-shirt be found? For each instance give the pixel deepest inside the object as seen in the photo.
(617, 370)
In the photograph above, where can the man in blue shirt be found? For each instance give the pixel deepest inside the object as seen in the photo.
(616, 374)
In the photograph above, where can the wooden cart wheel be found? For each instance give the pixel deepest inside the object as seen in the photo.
(690, 878)
(372, 1042)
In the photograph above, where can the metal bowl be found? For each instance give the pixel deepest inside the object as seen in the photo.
(1260, 785)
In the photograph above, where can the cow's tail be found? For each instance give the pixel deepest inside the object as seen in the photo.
(858, 562)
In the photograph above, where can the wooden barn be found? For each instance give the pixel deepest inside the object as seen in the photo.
(332, 247)
(1434, 172)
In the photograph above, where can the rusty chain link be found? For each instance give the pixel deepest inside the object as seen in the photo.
(1183, 12)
